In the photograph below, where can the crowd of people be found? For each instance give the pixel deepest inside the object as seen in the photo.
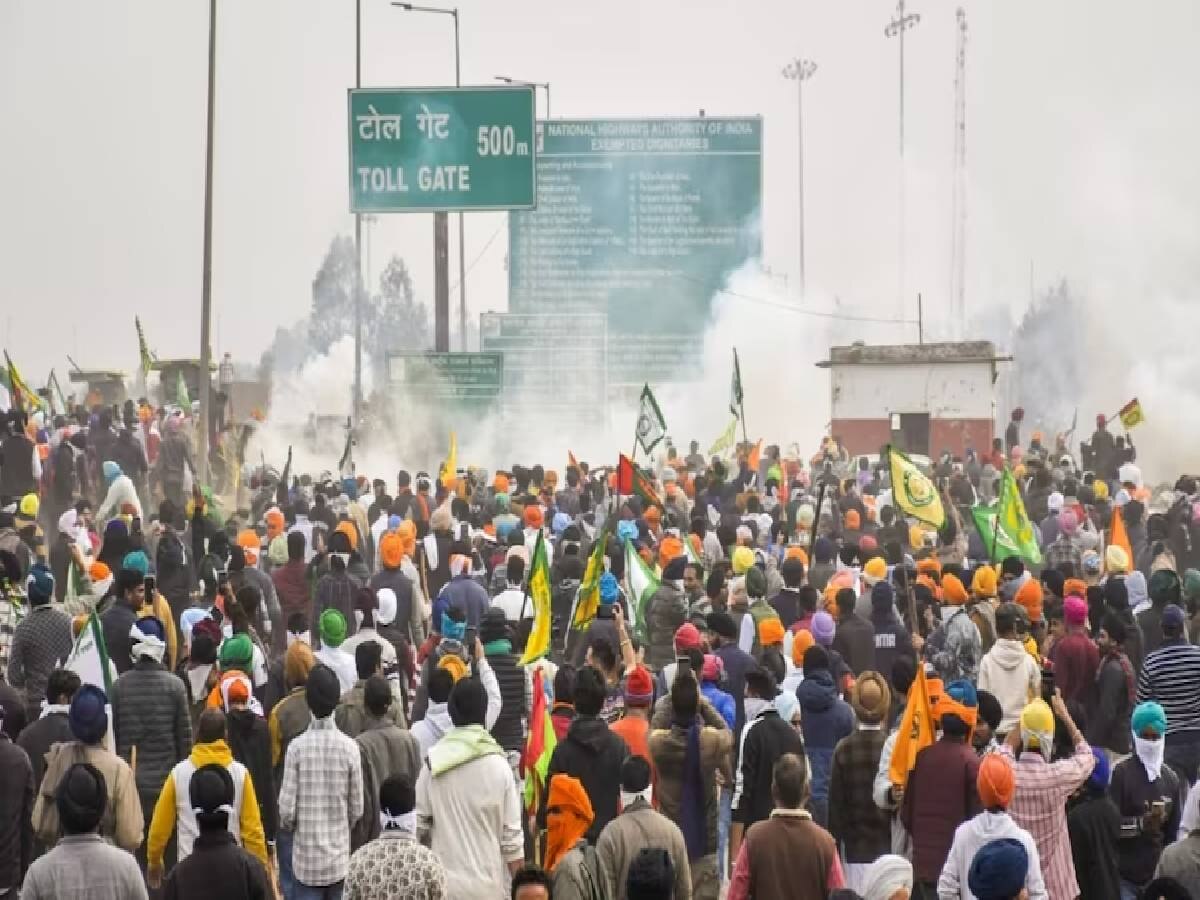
(789, 688)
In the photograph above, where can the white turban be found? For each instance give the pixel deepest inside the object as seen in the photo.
(386, 613)
(67, 522)
(886, 876)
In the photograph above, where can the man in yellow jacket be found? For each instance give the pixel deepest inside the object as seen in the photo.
(173, 809)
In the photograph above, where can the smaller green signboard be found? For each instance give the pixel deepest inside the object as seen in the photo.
(459, 378)
(438, 149)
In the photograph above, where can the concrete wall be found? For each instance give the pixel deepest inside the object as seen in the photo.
(944, 391)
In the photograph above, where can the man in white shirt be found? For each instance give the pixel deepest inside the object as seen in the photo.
(513, 600)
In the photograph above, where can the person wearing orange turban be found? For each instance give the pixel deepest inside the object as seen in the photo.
(275, 523)
(929, 566)
(983, 583)
(925, 579)
(770, 632)
(1030, 597)
(347, 528)
(568, 817)
(533, 516)
(391, 550)
(669, 549)
(795, 552)
(852, 520)
(1075, 587)
(407, 532)
(801, 642)
(953, 591)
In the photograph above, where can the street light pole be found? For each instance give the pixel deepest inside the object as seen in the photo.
(896, 28)
(358, 275)
(800, 70)
(439, 219)
(544, 85)
(206, 274)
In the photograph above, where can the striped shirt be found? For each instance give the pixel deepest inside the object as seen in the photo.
(1039, 805)
(1170, 676)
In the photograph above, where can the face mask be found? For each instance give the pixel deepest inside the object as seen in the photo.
(754, 706)
(1151, 754)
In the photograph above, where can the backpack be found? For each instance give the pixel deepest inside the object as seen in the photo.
(66, 479)
(590, 888)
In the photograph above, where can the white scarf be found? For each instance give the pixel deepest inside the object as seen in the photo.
(1151, 755)
(146, 645)
(405, 822)
(627, 798)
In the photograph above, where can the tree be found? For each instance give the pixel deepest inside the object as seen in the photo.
(398, 323)
(333, 288)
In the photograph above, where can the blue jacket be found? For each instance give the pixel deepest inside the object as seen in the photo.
(468, 595)
(721, 702)
(825, 718)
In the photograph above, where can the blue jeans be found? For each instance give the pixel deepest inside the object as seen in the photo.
(327, 892)
(724, 867)
(283, 855)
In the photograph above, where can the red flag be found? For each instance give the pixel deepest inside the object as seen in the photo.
(538, 746)
(633, 481)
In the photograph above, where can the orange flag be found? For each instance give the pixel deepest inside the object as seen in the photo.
(916, 730)
(753, 456)
(1118, 535)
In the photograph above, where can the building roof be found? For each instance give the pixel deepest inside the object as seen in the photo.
(859, 354)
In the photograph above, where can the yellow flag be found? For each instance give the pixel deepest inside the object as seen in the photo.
(725, 441)
(1131, 414)
(912, 491)
(538, 644)
(914, 732)
(448, 475)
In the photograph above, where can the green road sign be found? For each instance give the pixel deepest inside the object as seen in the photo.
(641, 221)
(454, 378)
(552, 363)
(433, 149)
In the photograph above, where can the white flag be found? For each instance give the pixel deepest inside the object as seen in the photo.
(651, 427)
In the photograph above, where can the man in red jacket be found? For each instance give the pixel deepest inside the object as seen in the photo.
(941, 792)
(1075, 656)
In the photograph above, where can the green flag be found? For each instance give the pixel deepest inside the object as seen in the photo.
(736, 397)
(651, 426)
(1004, 525)
(642, 583)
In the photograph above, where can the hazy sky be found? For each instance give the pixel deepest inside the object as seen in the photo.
(1082, 148)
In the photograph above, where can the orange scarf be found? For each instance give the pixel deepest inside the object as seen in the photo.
(568, 817)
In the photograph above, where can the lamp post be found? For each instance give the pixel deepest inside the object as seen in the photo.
(205, 383)
(544, 85)
(896, 28)
(462, 253)
(800, 70)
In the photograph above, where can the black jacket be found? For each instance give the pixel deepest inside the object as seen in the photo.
(38, 737)
(892, 640)
(666, 610)
(150, 712)
(594, 755)
(767, 738)
(1108, 719)
(737, 663)
(217, 867)
(1094, 825)
(16, 814)
(1131, 791)
(855, 641)
(250, 742)
(787, 604)
(508, 730)
(115, 624)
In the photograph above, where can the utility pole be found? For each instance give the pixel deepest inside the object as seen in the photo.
(205, 383)
(958, 239)
(896, 28)
(441, 230)
(800, 70)
(358, 275)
